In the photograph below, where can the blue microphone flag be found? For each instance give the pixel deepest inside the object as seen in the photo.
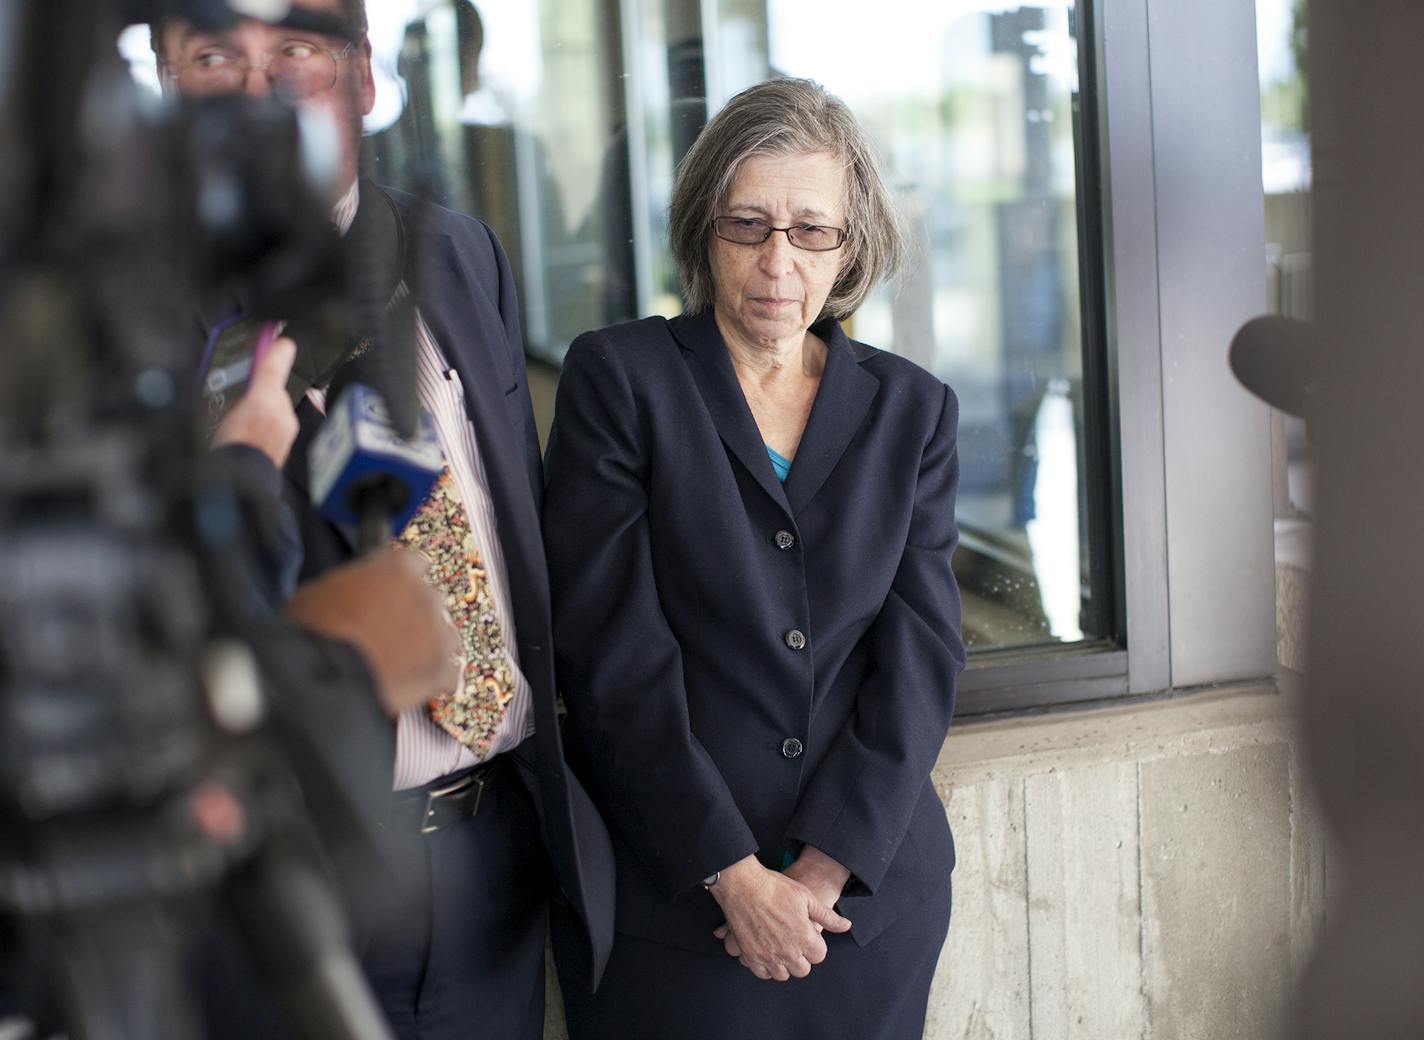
(359, 444)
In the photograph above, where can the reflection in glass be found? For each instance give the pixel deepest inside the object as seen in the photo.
(512, 113)
(1053, 531)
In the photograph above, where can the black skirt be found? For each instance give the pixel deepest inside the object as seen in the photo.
(651, 991)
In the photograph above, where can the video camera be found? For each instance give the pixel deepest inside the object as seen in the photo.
(146, 787)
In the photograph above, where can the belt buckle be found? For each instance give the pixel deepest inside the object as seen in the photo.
(460, 785)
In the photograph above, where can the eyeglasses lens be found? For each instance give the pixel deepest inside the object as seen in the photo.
(748, 232)
(300, 74)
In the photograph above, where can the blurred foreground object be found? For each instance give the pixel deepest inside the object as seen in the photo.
(155, 765)
(1365, 705)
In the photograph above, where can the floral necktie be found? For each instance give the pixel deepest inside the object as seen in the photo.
(440, 531)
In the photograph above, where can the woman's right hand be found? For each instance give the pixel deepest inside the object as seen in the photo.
(773, 923)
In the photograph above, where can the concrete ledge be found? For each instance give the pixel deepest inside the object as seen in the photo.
(1221, 717)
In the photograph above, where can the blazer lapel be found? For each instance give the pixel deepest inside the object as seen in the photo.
(841, 405)
(711, 368)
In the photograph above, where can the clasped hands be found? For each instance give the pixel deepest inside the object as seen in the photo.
(775, 920)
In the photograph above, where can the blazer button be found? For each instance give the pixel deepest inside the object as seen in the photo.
(795, 639)
(785, 539)
(792, 748)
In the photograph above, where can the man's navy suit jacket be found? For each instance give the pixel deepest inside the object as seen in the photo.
(466, 294)
(752, 667)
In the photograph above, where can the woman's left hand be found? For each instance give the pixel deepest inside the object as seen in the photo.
(774, 923)
(824, 876)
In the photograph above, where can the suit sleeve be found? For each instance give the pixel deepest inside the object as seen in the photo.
(273, 542)
(858, 805)
(324, 712)
(327, 708)
(619, 664)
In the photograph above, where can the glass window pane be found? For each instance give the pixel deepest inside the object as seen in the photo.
(514, 113)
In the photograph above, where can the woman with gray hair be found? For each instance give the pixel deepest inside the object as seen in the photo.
(749, 520)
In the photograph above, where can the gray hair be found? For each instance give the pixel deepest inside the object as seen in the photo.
(785, 117)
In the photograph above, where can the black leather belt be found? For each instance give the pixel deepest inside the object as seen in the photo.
(428, 809)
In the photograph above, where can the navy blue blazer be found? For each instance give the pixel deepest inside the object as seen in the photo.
(750, 667)
(466, 294)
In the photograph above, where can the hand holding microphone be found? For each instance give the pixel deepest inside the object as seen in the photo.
(383, 605)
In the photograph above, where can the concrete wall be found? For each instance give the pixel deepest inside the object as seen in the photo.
(1146, 871)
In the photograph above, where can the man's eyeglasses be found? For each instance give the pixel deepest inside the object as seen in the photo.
(299, 67)
(745, 231)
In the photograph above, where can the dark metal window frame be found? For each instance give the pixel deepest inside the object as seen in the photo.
(1007, 680)
(1172, 236)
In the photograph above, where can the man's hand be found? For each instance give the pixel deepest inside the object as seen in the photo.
(824, 876)
(773, 922)
(383, 605)
(264, 418)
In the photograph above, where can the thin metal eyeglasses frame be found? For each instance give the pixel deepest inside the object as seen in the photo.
(336, 58)
(843, 234)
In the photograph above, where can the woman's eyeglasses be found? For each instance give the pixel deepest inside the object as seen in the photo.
(746, 231)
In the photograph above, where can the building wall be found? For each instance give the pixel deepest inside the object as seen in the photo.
(1148, 871)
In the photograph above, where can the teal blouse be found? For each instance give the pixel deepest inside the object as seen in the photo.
(780, 463)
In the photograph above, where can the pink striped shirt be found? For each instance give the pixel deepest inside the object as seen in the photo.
(424, 751)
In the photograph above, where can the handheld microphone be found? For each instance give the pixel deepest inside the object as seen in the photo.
(1278, 360)
(364, 473)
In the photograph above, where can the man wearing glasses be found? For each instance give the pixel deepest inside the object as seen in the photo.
(484, 804)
